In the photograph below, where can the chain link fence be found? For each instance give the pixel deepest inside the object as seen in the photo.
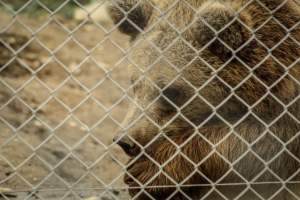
(201, 96)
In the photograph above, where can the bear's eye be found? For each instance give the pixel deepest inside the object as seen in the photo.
(174, 94)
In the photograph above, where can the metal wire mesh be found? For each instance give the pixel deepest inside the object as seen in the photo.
(65, 91)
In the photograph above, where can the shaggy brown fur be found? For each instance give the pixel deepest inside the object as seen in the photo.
(241, 57)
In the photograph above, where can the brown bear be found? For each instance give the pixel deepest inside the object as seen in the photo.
(215, 98)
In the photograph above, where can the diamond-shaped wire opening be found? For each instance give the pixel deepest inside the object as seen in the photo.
(33, 9)
(70, 170)
(285, 96)
(270, 115)
(87, 68)
(71, 132)
(278, 37)
(34, 93)
(34, 132)
(280, 122)
(71, 98)
(216, 136)
(44, 35)
(34, 170)
(126, 16)
(16, 158)
(34, 55)
(108, 101)
(52, 151)
(269, 72)
(13, 55)
(99, 53)
(214, 84)
(106, 169)
(226, 111)
(205, 168)
(82, 151)
(90, 112)
(64, 58)
(53, 112)
(89, 42)
(186, 7)
(50, 68)
(240, 165)
(259, 91)
(188, 109)
(134, 126)
(165, 44)
(239, 146)
(287, 158)
(103, 131)
(15, 106)
(274, 146)
(247, 122)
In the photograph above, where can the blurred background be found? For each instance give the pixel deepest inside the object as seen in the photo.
(63, 78)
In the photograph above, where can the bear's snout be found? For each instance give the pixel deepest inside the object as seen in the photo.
(127, 144)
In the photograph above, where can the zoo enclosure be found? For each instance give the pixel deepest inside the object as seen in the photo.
(63, 96)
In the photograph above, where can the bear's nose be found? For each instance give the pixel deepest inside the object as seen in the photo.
(127, 144)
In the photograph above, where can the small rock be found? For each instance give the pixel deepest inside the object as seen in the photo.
(11, 40)
(36, 64)
(45, 59)
(8, 173)
(72, 124)
(74, 68)
(83, 128)
(58, 154)
(115, 192)
(31, 56)
(3, 190)
(7, 192)
(92, 198)
(38, 123)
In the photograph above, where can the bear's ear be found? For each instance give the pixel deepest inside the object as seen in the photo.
(131, 16)
(222, 30)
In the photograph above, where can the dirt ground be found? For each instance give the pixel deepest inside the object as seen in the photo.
(59, 108)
